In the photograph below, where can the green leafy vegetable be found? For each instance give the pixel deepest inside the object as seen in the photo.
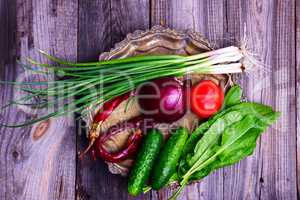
(231, 136)
(219, 155)
(212, 134)
(195, 136)
(244, 147)
(233, 96)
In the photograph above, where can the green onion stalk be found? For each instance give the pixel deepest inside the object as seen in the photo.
(90, 84)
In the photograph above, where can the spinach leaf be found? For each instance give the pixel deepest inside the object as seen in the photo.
(204, 148)
(243, 147)
(212, 135)
(244, 108)
(209, 138)
(233, 96)
(224, 139)
(195, 137)
(207, 146)
(211, 158)
(238, 141)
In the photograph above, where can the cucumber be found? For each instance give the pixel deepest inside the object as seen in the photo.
(147, 154)
(168, 158)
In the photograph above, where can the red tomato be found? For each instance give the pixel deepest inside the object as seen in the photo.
(206, 98)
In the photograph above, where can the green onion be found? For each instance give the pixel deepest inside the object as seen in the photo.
(90, 84)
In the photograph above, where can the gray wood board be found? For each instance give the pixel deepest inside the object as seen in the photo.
(297, 90)
(101, 25)
(37, 162)
(269, 27)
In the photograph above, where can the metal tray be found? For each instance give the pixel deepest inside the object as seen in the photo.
(157, 40)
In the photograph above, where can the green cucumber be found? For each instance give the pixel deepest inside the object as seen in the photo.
(144, 161)
(168, 158)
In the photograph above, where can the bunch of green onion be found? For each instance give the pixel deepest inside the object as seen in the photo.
(91, 84)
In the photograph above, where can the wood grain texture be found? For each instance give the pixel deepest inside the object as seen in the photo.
(270, 31)
(269, 28)
(35, 162)
(94, 37)
(39, 162)
(249, 20)
(206, 17)
(297, 90)
(101, 25)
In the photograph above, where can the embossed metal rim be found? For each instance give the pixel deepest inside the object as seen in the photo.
(139, 34)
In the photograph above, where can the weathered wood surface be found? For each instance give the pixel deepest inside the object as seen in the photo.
(36, 162)
(101, 24)
(297, 89)
(33, 167)
(271, 172)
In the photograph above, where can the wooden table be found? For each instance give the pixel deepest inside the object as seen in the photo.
(40, 162)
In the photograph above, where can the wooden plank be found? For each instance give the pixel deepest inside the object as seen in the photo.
(297, 85)
(33, 167)
(270, 32)
(244, 176)
(208, 18)
(7, 45)
(94, 29)
(261, 22)
(93, 38)
(127, 17)
(35, 162)
(101, 24)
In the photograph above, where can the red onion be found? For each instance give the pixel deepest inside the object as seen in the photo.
(162, 99)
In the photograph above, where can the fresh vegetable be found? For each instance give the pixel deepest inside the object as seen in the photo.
(95, 83)
(109, 107)
(233, 96)
(130, 148)
(168, 158)
(162, 99)
(213, 133)
(238, 141)
(144, 162)
(239, 110)
(106, 110)
(206, 98)
(230, 137)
